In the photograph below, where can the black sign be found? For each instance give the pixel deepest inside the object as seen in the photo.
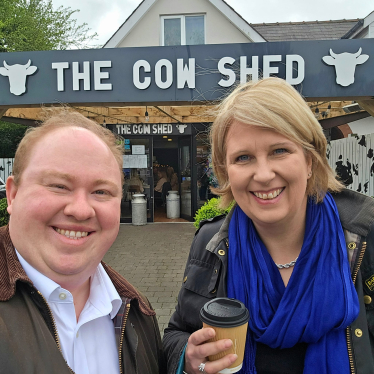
(184, 74)
(151, 129)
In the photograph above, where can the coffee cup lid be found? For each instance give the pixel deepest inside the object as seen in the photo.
(224, 312)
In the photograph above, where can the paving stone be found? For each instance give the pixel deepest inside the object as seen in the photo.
(164, 319)
(153, 258)
(171, 305)
(167, 294)
(163, 312)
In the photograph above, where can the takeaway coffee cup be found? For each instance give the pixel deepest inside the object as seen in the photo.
(229, 318)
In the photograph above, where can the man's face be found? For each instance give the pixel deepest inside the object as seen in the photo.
(64, 214)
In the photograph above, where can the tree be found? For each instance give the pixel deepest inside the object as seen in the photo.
(10, 135)
(33, 25)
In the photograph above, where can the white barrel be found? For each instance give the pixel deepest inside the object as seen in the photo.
(139, 210)
(172, 205)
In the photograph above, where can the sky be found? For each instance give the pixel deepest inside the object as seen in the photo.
(105, 17)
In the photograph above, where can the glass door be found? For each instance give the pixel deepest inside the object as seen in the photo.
(184, 148)
(137, 167)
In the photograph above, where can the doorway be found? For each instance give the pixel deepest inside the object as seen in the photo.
(166, 165)
(148, 162)
(137, 169)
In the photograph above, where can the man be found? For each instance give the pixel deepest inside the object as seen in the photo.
(61, 309)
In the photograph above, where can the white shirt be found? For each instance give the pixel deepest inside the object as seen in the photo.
(89, 345)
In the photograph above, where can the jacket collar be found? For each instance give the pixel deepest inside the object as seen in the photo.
(222, 234)
(356, 211)
(11, 272)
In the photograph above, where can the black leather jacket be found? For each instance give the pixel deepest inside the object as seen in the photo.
(206, 270)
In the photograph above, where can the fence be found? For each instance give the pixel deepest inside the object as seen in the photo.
(6, 167)
(353, 160)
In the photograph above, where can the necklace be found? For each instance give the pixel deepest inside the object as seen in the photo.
(289, 265)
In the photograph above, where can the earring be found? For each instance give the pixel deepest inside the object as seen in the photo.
(310, 174)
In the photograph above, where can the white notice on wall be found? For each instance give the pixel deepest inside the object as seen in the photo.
(135, 161)
(138, 149)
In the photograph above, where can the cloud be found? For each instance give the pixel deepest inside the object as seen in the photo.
(301, 10)
(105, 17)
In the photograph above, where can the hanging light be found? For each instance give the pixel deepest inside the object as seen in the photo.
(328, 109)
(316, 113)
(146, 114)
(104, 123)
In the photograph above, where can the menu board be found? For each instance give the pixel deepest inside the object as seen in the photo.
(135, 161)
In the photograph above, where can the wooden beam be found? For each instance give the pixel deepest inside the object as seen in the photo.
(170, 114)
(3, 111)
(368, 105)
(26, 113)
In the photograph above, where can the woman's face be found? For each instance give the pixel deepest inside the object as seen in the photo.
(268, 174)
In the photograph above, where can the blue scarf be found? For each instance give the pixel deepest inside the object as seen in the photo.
(318, 303)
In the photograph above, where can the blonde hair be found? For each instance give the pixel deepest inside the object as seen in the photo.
(56, 118)
(169, 172)
(274, 104)
(163, 173)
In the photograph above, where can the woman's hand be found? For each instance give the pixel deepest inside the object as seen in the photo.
(198, 350)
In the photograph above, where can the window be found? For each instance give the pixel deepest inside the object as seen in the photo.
(183, 30)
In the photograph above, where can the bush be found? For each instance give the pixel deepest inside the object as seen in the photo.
(4, 216)
(210, 210)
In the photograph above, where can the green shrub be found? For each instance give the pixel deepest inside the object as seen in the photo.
(209, 210)
(4, 216)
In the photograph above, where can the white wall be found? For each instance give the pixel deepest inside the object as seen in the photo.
(6, 167)
(363, 126)
(218, 27)
(353, 158)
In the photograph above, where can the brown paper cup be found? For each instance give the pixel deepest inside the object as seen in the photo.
(238, 336)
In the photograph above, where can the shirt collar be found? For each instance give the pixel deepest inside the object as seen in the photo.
(103, 295)
(42, 283)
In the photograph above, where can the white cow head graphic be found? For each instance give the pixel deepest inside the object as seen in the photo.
(345, 65)
(181, 128)
(17, 76)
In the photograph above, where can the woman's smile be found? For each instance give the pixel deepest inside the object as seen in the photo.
(269, 195)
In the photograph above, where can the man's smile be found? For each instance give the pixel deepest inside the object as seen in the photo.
(72, 234)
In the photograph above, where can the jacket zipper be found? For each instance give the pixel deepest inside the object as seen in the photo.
(122, 336)
(57, 340)
(348, 331)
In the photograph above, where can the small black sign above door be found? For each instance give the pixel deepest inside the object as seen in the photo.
(151, 129)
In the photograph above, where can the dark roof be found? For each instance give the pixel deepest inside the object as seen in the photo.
(314, 30)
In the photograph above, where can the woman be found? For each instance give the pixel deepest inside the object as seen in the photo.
(297, 248)
(162, 178)
(135, 182)
(172, 178)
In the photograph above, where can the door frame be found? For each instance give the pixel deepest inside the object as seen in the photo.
(183, 141)
(150, 203)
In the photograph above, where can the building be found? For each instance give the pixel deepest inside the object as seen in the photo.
(158, 98)
(177, 22)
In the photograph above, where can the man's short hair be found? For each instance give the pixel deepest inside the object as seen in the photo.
(274, 104)
(57, 118)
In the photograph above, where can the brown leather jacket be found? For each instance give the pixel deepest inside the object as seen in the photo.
(29, 341)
